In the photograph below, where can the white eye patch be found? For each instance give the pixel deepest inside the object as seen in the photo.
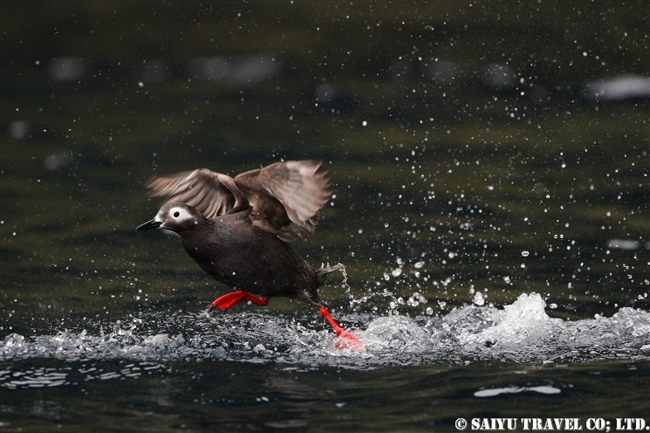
(179, 214)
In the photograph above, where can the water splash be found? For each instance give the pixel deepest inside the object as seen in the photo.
(520, 332)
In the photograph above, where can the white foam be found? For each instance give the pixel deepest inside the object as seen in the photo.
(520, 332)
(493, 392)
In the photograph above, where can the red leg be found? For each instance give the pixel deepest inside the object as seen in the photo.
(229, 299)
(347, 338)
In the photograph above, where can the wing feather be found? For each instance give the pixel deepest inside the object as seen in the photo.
(208, 192)
(286, 197)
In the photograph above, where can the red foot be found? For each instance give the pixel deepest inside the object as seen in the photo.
(346, 339)
(229, 299)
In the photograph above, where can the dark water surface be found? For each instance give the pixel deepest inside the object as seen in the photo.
(491, 199)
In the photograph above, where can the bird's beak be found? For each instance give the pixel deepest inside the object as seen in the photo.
(151, 224)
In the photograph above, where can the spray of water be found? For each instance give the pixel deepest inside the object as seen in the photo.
(520, 332)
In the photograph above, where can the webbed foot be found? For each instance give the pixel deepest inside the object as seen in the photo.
(229, 299)
(347, 339)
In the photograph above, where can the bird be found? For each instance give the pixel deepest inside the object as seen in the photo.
(239, 230)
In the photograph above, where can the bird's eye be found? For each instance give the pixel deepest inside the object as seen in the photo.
(176, 214)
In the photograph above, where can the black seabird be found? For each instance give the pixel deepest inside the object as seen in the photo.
(238, 229)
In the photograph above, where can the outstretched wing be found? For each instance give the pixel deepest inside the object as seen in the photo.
(286, 197)
(210, 193)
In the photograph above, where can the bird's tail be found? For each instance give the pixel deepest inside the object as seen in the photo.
(322, 272)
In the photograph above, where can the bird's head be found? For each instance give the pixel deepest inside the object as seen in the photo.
(177, 217)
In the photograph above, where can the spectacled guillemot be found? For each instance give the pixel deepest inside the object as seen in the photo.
(238, 229)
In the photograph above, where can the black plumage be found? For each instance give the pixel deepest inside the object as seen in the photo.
(239, 229)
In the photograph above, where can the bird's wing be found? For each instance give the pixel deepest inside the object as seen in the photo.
(286, 197)
(210, 193)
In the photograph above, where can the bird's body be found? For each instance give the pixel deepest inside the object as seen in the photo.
(243, 257)
(238, 230)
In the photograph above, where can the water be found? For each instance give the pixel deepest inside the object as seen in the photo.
(490, 206)
(520, 332)
(255, 370)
